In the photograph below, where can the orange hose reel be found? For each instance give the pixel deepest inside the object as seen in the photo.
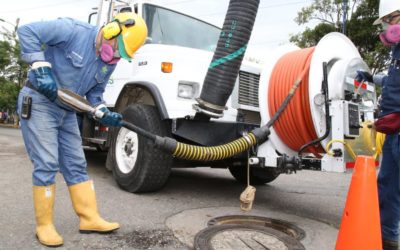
(294, 126)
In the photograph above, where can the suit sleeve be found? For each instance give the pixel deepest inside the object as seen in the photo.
(34, 37)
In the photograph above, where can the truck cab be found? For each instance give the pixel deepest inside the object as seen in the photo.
(157, 90)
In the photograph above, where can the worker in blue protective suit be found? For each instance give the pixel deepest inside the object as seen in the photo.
(388, 122)
(73, 55)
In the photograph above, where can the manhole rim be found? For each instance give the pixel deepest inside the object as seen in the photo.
(203, 238)
(299, 232)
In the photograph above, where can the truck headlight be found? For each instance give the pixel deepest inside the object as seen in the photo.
(188, 90)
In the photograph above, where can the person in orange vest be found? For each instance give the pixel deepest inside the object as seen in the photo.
(389, 123)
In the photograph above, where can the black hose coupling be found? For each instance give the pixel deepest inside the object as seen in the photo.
(166, 144)
(261, 134)
(289, 164)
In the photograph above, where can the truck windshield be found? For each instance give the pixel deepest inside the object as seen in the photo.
(173, 28)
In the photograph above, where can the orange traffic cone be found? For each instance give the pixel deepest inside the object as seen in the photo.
(361, 227)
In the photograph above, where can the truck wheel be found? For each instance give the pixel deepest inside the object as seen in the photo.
(138, 165)
(258, 176)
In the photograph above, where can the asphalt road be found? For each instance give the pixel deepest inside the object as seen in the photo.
(147, 220)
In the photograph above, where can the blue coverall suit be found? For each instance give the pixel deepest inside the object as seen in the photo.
(52, 137)
(389, 174)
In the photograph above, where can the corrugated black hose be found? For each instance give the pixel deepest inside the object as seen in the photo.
(232, 43)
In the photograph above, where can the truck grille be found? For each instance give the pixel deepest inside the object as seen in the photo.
(248, 88)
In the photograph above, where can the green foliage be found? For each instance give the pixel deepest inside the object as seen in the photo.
(8, 94)
(5, 56)
(310, 37)
(359, 28)
(12, 70)
(326, 11)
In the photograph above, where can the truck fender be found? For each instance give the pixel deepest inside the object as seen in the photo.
(143, 92)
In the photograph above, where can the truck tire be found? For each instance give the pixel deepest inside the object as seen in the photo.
(137, 165)
(258, 176)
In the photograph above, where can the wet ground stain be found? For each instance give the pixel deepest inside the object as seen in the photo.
(147, 239)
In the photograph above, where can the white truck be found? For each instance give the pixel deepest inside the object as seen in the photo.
(158, 92)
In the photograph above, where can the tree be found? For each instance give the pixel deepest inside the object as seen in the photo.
(8, 95)
(5, 56)
(360, 14)
(12, 69)
(310, 37)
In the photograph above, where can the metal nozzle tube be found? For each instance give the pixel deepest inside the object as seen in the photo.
(77, 102)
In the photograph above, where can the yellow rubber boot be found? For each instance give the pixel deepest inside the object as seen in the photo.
(43, 197)
(84, 201)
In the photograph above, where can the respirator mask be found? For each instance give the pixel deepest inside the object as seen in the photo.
(391, 35)
(108, 53)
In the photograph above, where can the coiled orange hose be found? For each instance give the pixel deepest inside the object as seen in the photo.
(295, 126)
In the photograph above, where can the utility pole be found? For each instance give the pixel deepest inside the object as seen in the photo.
(344, 5)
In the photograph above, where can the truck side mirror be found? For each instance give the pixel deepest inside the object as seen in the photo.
(90, 16)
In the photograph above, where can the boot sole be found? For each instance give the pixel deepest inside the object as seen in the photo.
(97, 232)
(52, 246)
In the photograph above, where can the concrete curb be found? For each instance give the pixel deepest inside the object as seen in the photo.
(4, 125)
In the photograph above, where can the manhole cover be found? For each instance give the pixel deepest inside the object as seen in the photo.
(279, 225)
(234, 236)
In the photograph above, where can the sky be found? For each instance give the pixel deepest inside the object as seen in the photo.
(273, 26)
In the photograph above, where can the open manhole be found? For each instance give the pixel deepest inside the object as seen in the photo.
(279, 225)
(235, 236)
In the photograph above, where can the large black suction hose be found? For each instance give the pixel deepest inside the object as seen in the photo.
(224, 67)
